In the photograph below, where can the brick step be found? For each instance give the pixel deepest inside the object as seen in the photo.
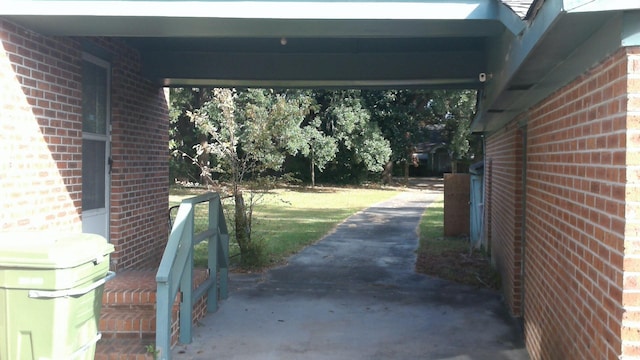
(132, 323)
(123, 349)
(130, 288)
(128, 316)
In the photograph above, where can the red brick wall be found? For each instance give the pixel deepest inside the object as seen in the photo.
(140, 152)
(41, 143)
(504, 153)
(577, 218)
(631, 267)
(40, 132)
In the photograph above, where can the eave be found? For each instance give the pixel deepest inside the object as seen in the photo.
(426, 44)
(565, 39)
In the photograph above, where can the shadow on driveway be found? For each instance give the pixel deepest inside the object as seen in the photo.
(355, 295)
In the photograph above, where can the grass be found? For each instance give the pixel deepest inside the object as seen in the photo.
(451, 258)
(287, 220)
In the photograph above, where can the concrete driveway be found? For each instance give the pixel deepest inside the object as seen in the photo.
(354, 295)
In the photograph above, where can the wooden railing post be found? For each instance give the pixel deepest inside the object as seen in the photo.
(163, 321)
(176, 269)
(212, 258)
(223, 253)
(186, 282)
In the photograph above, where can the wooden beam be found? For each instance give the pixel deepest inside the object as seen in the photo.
(323, 69)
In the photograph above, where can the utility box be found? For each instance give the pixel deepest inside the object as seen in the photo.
(51, 287)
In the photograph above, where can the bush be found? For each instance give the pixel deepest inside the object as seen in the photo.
(254, 256)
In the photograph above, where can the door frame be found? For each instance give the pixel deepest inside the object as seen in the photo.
(106, 211)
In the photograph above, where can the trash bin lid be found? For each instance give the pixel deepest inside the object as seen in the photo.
(51, 250)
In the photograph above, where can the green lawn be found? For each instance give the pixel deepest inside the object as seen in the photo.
(287, 220)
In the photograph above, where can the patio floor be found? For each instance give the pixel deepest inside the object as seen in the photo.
(355, 295)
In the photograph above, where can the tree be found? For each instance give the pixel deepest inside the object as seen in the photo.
(401, 115)
(249, 132)
(347, 134)
(320, 148)
(407, 117)
(182, 133)
(361, 147)
(452, 111)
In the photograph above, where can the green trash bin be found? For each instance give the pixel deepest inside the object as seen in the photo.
(51, 289)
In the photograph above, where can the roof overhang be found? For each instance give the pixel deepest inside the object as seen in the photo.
(562, 41)
(238, 18)
(398, 43)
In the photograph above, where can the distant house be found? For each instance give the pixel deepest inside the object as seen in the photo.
(432, 160)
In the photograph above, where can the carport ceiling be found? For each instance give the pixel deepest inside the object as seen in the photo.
(290, 61)
(375, 43)
(432, 44)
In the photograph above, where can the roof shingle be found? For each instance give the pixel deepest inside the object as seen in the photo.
(520, 7)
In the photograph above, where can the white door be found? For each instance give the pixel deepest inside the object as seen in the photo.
(96, 147)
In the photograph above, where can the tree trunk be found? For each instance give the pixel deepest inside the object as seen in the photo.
(242, 235)
(202, 163)
(387, 173)
(313, 170)
(406, 173)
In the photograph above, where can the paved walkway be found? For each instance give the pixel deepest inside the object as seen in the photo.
(354, 295)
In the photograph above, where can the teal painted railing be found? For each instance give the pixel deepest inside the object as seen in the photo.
(175, 273)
